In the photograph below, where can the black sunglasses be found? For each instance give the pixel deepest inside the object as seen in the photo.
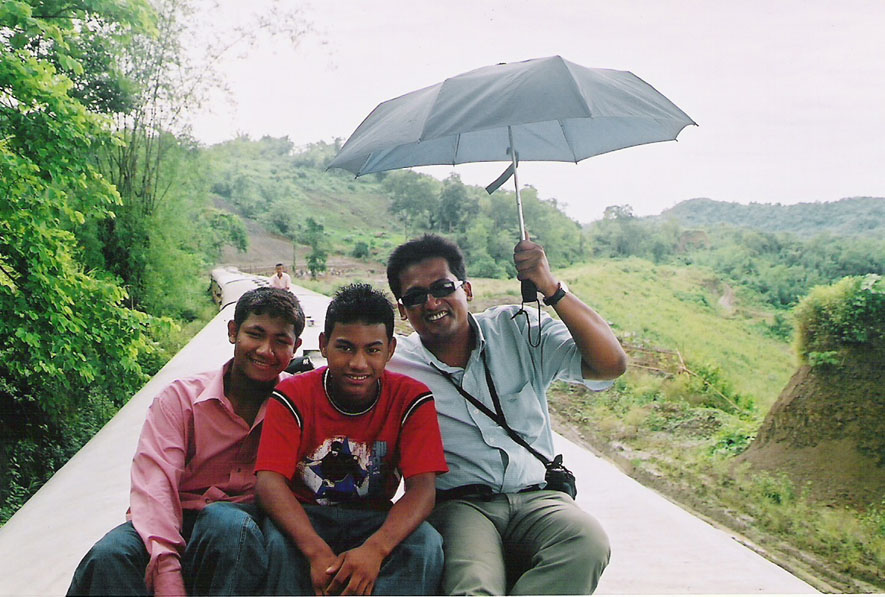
(418, 296)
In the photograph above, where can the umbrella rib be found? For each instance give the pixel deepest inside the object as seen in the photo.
(457, 147)
(574, 84)
(567, 142)
(359, 171)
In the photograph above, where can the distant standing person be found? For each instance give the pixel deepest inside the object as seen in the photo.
(193, 525)
(503, 531)
(281, 279)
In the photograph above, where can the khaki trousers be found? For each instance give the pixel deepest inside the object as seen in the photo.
(533, 543)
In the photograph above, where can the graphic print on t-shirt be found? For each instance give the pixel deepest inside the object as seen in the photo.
(342, 470)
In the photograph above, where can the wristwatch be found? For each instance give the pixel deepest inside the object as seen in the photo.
(556, 296)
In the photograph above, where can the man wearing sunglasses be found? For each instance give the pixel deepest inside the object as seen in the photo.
(503, 533)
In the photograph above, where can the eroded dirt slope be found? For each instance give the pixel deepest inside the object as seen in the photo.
(827, 432)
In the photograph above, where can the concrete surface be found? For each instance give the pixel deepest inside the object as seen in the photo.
(659, 548)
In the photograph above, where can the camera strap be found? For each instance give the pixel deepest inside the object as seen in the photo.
(498, 415)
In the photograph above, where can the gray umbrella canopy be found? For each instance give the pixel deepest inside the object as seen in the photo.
(546, 109)
(552, 109)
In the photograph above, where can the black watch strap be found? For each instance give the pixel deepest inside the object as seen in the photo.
(556, 296)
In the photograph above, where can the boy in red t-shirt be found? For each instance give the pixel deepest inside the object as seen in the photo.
(335, 443)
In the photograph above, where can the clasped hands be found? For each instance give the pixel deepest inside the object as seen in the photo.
(352, 572)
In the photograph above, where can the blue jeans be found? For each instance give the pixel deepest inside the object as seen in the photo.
(225, 555)
(414, 567)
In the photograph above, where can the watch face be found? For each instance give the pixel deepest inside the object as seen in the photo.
(563, 286)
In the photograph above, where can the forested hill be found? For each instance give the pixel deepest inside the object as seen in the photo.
(290, 192)
(856, 216)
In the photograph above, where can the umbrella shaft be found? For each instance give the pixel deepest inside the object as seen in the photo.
(522, 232)
(523, 235)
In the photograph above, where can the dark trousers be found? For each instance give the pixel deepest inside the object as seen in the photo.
(413, 568)
(225, 555)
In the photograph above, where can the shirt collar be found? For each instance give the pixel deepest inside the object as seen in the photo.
(214, 390)
(429, 357)
(477, 331)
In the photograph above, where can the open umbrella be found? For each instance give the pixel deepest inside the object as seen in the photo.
(546, 109)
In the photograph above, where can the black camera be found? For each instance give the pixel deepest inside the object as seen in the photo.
(559, 478)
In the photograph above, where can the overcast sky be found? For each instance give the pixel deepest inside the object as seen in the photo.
(789, 94)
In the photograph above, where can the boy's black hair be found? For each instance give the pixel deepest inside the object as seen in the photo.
(419, 249)
(359, 303)
(275, 302)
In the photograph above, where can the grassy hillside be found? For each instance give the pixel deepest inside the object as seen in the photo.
(689, 309)
(290, 193)
(268, 182)
(679, 308)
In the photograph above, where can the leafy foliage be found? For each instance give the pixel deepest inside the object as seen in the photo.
(68, 344)
(104, 216)
(847, 315)
(413, 199)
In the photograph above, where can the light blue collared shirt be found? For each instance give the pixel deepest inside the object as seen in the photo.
(477, 449)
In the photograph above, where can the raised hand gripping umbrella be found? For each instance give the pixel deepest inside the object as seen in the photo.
(546, 109)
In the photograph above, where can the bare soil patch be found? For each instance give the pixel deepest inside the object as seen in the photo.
(827, 432)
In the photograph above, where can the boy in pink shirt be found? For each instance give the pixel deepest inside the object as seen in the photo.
(193, 525)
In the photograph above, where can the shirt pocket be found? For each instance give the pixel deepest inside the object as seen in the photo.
(523, 412)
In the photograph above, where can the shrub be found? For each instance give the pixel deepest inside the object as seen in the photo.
(848, 314)
(360, 250)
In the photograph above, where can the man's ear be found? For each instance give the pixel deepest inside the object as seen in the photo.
(392, 348)
(298, 342)
(232, 328)
(323, 344)
(468, 290)
(402, 312)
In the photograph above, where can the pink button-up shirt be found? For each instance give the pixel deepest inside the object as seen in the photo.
(193, 450)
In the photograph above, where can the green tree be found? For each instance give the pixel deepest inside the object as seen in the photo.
(413, 199)
(319, 155)
(474, 242)
(68, 344)
(145, 163)
(454, 206)
(226, 229)
(315, 236)
(619, 234)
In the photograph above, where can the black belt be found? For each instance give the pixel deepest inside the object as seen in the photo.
(476, 490)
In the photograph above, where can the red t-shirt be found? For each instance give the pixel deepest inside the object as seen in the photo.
(331, 457)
